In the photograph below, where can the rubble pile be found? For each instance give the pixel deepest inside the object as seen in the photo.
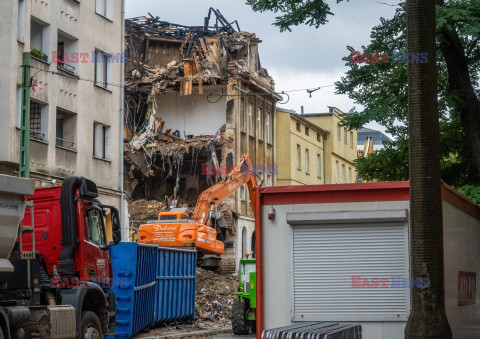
(215, 295)
(143, 210)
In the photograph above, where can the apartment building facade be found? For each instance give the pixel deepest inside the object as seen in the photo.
(341, 146)
(75, 105)
(304, 142)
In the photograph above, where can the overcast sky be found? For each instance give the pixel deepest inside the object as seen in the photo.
(304, 58)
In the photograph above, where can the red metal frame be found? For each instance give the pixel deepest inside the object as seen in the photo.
(340, 193)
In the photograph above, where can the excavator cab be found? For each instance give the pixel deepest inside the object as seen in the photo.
(177, 229)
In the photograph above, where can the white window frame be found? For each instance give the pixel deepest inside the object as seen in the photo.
(104, 8)
(103, 70)
(268, 127)
(251, 125)
(102, 141)
(307, 164)
(260, 123)
(299, 157)
(319, 166)
(21, 21)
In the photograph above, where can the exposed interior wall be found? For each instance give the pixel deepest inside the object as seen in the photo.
(192, 114)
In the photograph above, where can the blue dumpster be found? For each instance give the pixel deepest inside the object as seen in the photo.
(151, 284)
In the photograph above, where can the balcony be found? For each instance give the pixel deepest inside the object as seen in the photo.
(66, 144)
(38, 136)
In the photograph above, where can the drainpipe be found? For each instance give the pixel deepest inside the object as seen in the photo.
(122, 123)
(324, 160)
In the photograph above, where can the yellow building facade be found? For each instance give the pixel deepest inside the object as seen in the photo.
(300, 150)
(341, 146)
(314, 149)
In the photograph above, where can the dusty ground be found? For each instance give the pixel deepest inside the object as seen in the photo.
(215, 294)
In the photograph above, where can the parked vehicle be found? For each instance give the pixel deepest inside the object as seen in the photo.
(59, 282)
(64, 274)
(243, 309)
(177, 229)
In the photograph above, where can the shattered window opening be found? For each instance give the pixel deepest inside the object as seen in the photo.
(242, 115)
(251, 128)
(260, 123)
(268, 128)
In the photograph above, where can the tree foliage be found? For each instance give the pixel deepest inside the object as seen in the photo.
(381, 88)
(295, 12)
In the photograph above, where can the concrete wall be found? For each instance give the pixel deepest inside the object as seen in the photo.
(87, 101)
(192, 114)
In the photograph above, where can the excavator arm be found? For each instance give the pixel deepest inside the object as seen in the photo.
(212, 197)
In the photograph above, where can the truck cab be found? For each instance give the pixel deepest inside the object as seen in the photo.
(72, 232)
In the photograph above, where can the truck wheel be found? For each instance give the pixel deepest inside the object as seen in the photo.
(90, 327)
(239, 325)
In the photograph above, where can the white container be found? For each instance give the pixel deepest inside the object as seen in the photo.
(341, 253)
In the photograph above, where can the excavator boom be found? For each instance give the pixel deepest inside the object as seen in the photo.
(213, 196)
(177, 230)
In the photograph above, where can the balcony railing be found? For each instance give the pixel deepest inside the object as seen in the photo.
(38, 135)
(70, 145)
(67, 68)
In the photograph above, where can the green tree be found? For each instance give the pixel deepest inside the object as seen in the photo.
(427, 317)
(381, 88)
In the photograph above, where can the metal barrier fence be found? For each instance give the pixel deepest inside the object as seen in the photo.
(315, 330)
(152, 284)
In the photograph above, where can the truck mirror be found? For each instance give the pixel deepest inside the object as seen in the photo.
(113, 227)
(116, 227)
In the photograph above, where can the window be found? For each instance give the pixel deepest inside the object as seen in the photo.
(95, 230)
(350, 178)
(344, 174)
(38, 121)
(260, 123)
(298, 127)
(351, 139)
(299, 158)
(39, 39)
(307, 131)
(337, 172)
(345, 136)
(67, 53)
(251, 126)
(104, 8)
(243, 118)
(307, 156)
(269, 180)
(101, 141)
(319, 139)
(319, 166)
(21, 21)
(103, 69)
(243, 193)
(269, 124)
(339, 133)
(66, 130)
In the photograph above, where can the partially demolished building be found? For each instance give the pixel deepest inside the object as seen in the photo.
(196, 99)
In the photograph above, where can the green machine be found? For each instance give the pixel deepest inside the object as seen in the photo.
(243, 310)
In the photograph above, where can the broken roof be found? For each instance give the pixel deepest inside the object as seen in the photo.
(166, 55)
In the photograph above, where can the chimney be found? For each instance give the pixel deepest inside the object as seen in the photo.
(302, 111)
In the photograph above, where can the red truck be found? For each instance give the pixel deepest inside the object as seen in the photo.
(59, 286)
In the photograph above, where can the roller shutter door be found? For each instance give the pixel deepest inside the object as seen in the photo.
(327, 258)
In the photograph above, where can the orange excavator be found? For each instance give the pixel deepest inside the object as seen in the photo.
(177, 229)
